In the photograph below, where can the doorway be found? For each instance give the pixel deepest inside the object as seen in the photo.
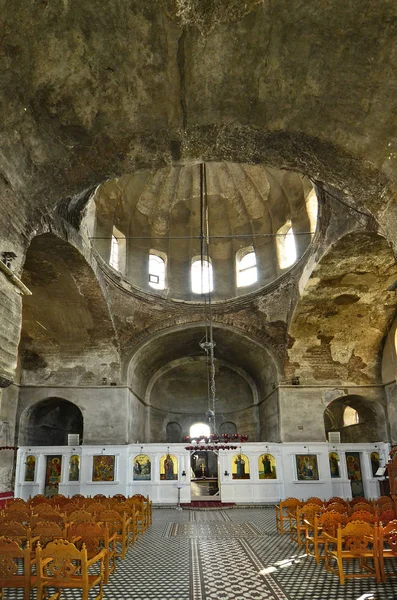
(204, 483)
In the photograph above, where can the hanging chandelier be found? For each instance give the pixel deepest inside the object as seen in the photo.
(214, 441)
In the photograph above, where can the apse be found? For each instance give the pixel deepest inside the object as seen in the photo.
(48, 423)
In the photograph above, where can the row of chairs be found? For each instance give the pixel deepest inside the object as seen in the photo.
(95, 525)
(60, 565)
(383, 508)
(354, 530)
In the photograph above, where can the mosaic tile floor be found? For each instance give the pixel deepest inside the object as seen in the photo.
(225, 555)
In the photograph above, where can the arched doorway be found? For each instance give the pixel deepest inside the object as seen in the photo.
(49, 422)
(204, 484)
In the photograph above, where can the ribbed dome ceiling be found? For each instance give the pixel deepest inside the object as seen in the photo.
(161, 211)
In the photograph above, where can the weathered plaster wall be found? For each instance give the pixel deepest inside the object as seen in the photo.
(302, 413)
(105, 410)
(391, 397)
(137, 419)
(269, 418)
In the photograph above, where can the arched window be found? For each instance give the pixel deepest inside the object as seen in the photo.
(202, 276)
(199, 430)
(114, 253)
(286, 249)
(156, 270)
(312, 210)
(350, 416)
(247, 273)
(117, 250)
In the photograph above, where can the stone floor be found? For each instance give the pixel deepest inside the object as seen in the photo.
(225, 555)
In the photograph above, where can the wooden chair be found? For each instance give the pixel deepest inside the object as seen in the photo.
(362, 506)
(67, 509)
(61, 565)
(141, 514)
(95, 508)
(128, 511)
(357, 499)
(38, 499)
(18, 503)
(357, 540)
(336, 499)
(147, 504)
(337, 507)
(283, 510)
(327, 522)
(16, 567)
(19, 516)
(387, 547)
(363, 515)
(383, 500)
(16, 532)
(387, 516)
(302, 522)
(52, 517)
(79, 516)
(96, 537)
(77, 498)
(118, 525)
(99, 497)
(119, 497)
(314, 500)
(45, 532)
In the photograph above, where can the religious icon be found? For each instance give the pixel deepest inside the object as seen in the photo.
(53, 475)
(240, 467)
(30, 468)
(306, 467)
(353, 464)
(375, 462)
(267, 466)
(142, 468)
(168, 467)
(74, 468)
(334, 464)
(103, 467)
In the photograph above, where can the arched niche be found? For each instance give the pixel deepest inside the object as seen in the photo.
(49, 422)
(340, 323)
(164, 368)
(371, 425)
(67, 331)
(173, 432)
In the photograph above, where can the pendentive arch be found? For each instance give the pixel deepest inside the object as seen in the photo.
(66, 327)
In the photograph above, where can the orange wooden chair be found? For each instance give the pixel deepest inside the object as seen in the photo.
(386, 516)
(315, 500)
(128, 511)
(16, 532)
(95, 508)
(356, 540)
(327, 522)
(16, 567)
(96, 537)
(61, 565)
(120, 526)
(119, 497)
(283, 510)
(20, 516)
(141, 516)
(337, 507)
(45, 532)
(363, 515)
(336, 499)
(362, 506)
(387, 548)
(302, 522)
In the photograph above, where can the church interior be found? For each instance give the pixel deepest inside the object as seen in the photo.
(197, 272)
